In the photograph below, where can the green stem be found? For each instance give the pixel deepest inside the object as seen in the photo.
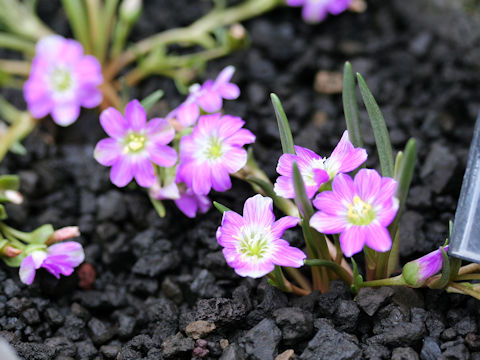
(15, 67)
(9, 112)
(331, 265)
(462, 289)
(120, 34)
(299, 278)
(193, 34)
(395, 281)
(13, 42)
(466, 277)
(22, 126)
(107, 23)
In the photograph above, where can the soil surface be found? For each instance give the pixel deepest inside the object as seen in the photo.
(163, 289)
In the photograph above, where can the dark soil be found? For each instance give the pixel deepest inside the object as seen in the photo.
(161, 284)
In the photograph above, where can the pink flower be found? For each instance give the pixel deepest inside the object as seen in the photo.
(252, 243)
(417, 272)
(209, 97)
(186, 200)
(315, 11)
(134, 144)
(359, 209)
(212, 152)
(62, 79)
(316, 170)
(58, 259)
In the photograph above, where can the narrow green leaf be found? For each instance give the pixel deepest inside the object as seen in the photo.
(380, 131)
(283, 126)
(220, 207)
(78, 19)
(9, 182)
(279, 278)
(158, 206)
(350, 106)
(151, 100)
(301, 198)
(3, 212)
(398, 162)
(405, 172)
(357, 278)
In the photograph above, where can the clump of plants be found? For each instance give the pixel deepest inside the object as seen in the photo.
(342, 208)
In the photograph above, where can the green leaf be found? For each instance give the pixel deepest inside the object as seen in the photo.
(151, 100)
(380, 131)
(221, 207)
(405, 171)
(158, 206)
(350, 106)
(279, 278)
(357, 278)
(18, 148)
(283, 126)
(301, 198)
(9, 182)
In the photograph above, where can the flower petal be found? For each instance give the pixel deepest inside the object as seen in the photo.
(378, 238)
(343, 187)
(160, 131)
(258, 211)
(188, 113)
(282, 224)
(210, 101)
(65, 114)
(328, 224)
(234, 159)
(122, 171)
(367, 184)
(107, 151)
(328, 202)
(220, 178)
(136, 115)
(113, 123)
(352, 240)
(286, 255)
(253, 269)
(284, 187)
(162, 155)
(144, 173)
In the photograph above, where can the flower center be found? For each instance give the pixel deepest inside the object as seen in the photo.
(254, 244)
(360, 212)
(214, 149)
(61, 79)
(134, 142)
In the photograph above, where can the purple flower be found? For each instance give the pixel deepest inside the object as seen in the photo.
(212, 152)
(62, 79)
(417, 272)
(134, 144)
(209, 97)
(316, 170)
(186, 200)
(359, 209)
(315, 11)
(252, 243)
(58, 259)
(190, 203)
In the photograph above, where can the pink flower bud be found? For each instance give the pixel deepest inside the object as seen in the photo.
(62, 234)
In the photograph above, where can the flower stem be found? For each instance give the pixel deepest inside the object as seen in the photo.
(465, 277)
(78, 19)
(196, 33)
(15, 67)
(94, 10)
(470, 268)
(462, 289)
(299, 278)
(23, 125)
(395, 281)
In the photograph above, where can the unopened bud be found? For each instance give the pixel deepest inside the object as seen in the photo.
(14, 196)
(358, 6)
(10, 251)
(65, 233)
(417, 272)
(237, 31)
(130, 10)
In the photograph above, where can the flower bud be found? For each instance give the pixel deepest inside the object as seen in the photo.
(130, 10)
(64, 233)
(417, 272)
(14, 196)
(10, 251)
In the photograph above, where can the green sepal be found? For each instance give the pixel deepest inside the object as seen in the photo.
(17, 260)
(283, 126)
(220, 207)
(3, 212)
(41, 234)
(379, 127)
(158, 206)
(151, 100)
(444, 280)
(410, 274)
(350, 106)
